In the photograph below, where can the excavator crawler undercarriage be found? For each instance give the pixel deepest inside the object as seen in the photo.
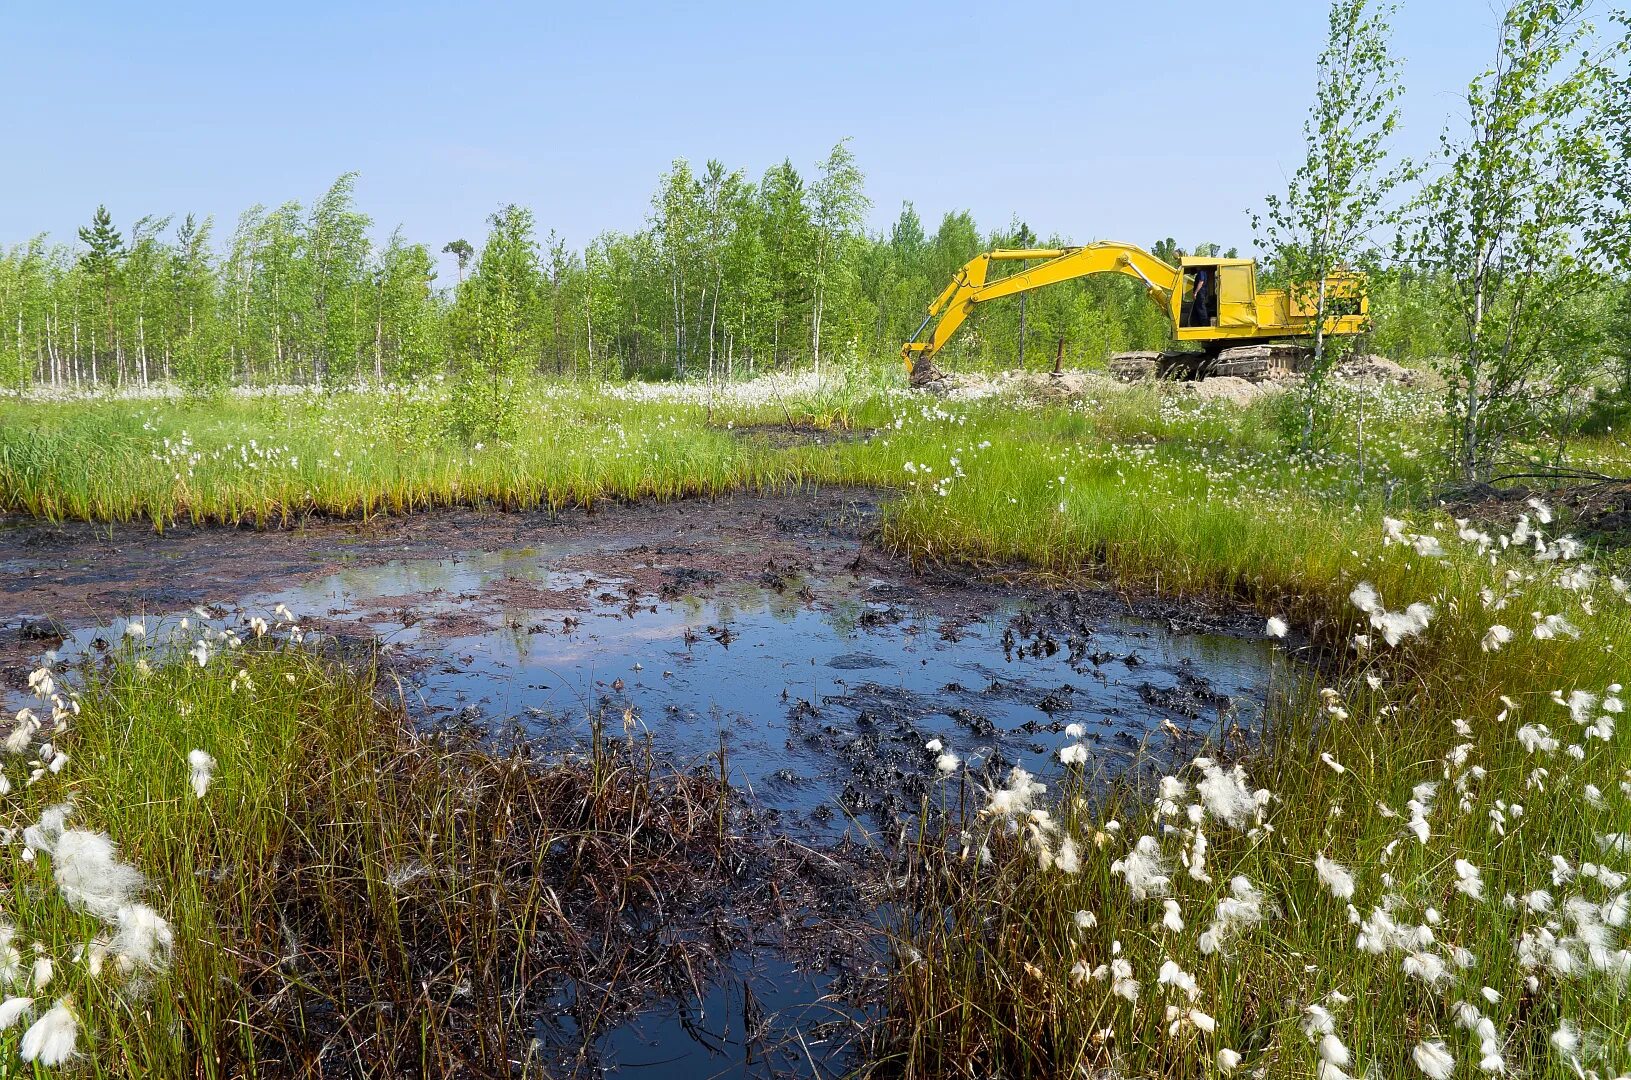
(1265, 361)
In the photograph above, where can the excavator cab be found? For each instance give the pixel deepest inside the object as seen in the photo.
(1216, 293)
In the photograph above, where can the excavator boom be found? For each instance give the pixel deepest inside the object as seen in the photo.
(1211, 301)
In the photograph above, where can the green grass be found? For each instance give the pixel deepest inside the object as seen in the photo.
(1148, 490)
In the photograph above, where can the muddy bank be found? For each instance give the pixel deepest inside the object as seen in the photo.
(1595, 509)
(75, 571)
(74, 574)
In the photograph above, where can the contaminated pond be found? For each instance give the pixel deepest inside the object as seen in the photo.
(828, 687)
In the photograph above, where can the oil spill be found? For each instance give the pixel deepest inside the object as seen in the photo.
(763, 637)
(823, 692)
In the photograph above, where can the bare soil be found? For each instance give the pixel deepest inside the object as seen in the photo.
(1597, 512)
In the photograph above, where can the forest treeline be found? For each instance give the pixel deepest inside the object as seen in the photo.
(730, 276)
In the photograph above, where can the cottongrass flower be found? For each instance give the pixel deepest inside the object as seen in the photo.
(1236, 913)
(50, 1041)
(13, 1010)
(1495, 637)
(1085, 920)
(1334, 876)
(11, 961)
(1074, 754)
(1537, 739)
(1394, 625)
(1144, 869)
(1228, 1060)
(23, 733)
(1120, 972)
(947, 763)
(144, 938)
(1176, 977)
(1428, 547)
(41, 683)
(1332, 1051)
(1469, 879)
(1227, 796)
(1427, 967)
(1171, 918)
(89, 874)
(203, 768)
(1553, 626)
(1317, 1020)
(1276, 627)
(1433, 1058)
(1013, 798)
(43, 835)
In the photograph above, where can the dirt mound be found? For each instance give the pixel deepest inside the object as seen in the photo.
(1368, 367)
(1230, 388)
(1076, 384)
(1597, 511)
(1028, 385)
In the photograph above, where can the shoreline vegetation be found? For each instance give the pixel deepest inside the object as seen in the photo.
(1421, 869)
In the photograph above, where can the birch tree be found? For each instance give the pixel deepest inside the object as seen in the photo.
(1339, 196)
(838, 203)
(497, 328)
(1511, 221)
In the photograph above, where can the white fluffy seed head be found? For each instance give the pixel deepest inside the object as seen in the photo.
(1433, 1058)
(1332, 1052)
(50, 1041)
(12, 1010)
(202, 767)
(1334, 876)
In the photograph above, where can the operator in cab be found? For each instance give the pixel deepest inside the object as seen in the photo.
(1200, 304)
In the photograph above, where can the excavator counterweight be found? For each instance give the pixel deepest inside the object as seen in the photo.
(1212, 302)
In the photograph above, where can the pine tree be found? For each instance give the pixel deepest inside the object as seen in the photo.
(461, 251)
(104, 252)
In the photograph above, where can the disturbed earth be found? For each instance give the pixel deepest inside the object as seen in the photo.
(766, 639)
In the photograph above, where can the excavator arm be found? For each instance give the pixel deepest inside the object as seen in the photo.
(970, 285)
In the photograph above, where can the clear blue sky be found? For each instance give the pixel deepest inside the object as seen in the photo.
(1131, 120)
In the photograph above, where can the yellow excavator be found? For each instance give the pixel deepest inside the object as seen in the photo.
(1213, 302)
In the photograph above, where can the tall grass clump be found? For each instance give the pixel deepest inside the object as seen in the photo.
(1421, 871)
(236, 861)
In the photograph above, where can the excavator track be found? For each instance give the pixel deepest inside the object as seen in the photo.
(1261, 361)
(1254, 362)
(1132, 367)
